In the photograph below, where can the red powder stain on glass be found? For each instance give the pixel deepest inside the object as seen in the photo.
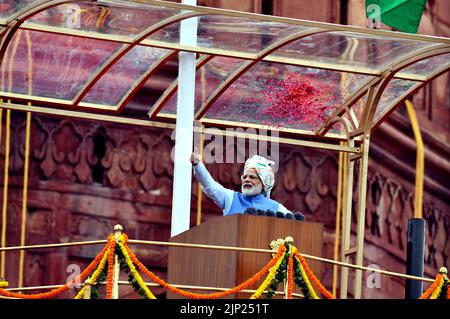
(298, 97)
(4, 7)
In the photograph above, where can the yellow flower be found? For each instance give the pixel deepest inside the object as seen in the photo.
(438, 289)
(135, 274)
(95, 275)
(305, 278)
(268, 279)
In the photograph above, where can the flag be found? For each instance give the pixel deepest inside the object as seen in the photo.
(403, 15)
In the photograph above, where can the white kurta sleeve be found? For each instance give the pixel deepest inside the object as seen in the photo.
(283, 209)
(222, 196)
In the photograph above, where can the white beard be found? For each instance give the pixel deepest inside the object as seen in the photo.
(255, 190)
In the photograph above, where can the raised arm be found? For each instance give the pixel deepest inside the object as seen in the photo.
(216, 192)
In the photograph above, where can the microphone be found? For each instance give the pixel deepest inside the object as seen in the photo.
(270, 213)
(260, 212)
(251, 211)
(280, 215)
(289, 216)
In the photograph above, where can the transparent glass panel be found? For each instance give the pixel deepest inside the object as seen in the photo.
(60, 64)
(115, 83)
(367, 52)
(284, 96)
(208, 78)
(110, 17)
(231, 33)
(394, 91)
(10, 7)
(428, 67)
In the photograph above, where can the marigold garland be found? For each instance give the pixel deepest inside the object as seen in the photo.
(437, 291)
(55, 292)
(313, 277)
(258, 276)
(96, 273)
(432, 288)
(109, 278)
(300, 281)
(305, 278)
(280, 275)
(448, 291)
(295, 262)
(135, 274)
(290, 272)
(268, 279)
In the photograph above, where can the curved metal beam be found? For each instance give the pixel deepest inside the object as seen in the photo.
(365, 128)
(352, 99)
(173, 87)
(372, 82)
(19, 18)
(366, 122)
(125, 49)
(408, 93)
(306, 23)
(216, 51)
(141, 81)
(247, 65)
(345, 123)
(3, 30)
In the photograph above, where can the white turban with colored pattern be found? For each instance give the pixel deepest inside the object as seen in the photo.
(263, 168)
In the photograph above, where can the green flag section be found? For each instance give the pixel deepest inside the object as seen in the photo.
(403, 15)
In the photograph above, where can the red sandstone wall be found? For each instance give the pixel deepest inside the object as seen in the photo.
(67, 204)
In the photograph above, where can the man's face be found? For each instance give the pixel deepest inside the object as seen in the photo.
(250, 183)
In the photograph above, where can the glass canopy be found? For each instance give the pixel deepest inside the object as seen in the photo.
(282, 74)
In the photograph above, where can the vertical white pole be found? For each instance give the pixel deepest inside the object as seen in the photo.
(115, 289)
(181, 198)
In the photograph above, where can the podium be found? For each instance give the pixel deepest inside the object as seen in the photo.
(226, 269)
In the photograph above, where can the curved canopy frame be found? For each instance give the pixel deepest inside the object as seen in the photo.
(321, 83)
(286, 45)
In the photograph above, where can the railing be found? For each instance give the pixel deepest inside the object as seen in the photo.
(283, 250)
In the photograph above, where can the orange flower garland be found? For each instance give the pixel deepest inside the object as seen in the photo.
(313, 277)
(55, 292)
(448, 292)
(257, 277)
(432, 288)
(433, 291)
(109, 278)
(290, 280)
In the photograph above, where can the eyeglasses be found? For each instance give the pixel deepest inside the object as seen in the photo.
(251, 177)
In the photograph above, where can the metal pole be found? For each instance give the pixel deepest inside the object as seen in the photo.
(115, 292)
(199, 186)
(362, 193)
(415, 254)
(346, 222)
(420, 160)
(182, 176)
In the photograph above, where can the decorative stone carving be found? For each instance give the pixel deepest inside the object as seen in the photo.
(311, 179)
(389, 208)
(134, 173)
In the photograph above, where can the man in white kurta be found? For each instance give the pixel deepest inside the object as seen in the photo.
(257, 181)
